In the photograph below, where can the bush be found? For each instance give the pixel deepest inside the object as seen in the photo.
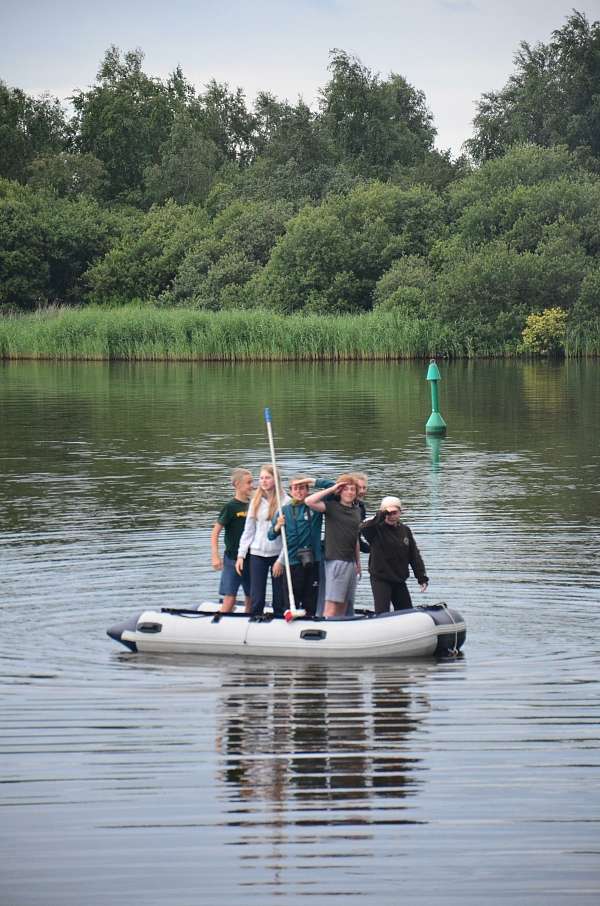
(331, 256)
(544, 333)
(47, 244)
(407, 284)
(587, 307)
(145, 260)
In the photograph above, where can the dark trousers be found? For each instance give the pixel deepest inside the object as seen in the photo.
(386, 593)
(260, 567)
(305, 585)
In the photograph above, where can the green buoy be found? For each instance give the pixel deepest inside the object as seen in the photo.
(435, 423)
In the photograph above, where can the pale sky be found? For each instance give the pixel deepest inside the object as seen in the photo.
(453, 50)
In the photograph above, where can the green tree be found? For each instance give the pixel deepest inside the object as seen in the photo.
(189, 162)
(523, 197)
(235, 246)
(29, 128)
(331, 256)
(69, 174)
(586, 310)
(47, 244)
(285, 132)
(495, 287)
(223, 117)
(144, 261)
(125, 118)
(264, 181)
(407, 285)
(488, 290)
(435, 169)
(552, 98)
(24, 239)
(373, 123)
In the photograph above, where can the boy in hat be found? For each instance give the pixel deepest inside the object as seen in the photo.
(303, 536)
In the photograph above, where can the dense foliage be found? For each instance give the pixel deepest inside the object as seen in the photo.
(552, 98)
(155, 192)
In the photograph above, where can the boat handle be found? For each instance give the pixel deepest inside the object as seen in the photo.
(313, 634)
(149, 627)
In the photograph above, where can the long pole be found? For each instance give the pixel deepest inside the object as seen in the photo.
(286, 558)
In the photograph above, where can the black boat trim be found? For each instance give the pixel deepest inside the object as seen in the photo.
(116, 632)
(313, 634)
(149, 627)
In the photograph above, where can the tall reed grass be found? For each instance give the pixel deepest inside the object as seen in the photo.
(583, 340)
(137, 333)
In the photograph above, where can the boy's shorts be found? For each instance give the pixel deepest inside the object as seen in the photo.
(340, 580)
(230, 581)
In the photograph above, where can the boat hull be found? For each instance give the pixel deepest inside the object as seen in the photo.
(420, 632)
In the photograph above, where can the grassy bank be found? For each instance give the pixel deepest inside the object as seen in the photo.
(134, 333)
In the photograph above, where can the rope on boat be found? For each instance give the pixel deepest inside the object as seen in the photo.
(452, 652)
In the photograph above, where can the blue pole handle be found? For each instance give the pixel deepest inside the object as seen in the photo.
(268, 415)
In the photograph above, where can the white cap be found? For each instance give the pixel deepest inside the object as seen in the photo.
(390, 503)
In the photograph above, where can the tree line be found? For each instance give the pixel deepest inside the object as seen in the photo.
(153, 191)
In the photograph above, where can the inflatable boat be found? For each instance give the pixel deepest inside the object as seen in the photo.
(419, 632)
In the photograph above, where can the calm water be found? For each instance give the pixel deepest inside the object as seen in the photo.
(184, 781)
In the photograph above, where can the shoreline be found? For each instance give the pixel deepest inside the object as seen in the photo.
(133, 333)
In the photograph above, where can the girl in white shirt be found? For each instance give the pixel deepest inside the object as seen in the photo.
(263, 553)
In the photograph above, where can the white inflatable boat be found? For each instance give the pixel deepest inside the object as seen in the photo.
(420, 632)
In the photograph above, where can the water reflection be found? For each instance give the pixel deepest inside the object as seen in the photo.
(435, 448)
(320, 752)
(327, 741)
(205, 780)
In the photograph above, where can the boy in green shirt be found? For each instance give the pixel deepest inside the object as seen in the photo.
(232, 518)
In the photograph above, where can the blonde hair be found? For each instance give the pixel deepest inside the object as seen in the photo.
(360, 476)
(238, 475)
(259, 494)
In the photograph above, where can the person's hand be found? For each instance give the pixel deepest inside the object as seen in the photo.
(423, 586)
(391, 517)
(239, 566)
(358, 570)
(217, 562)
(277, 569)
(280, 522)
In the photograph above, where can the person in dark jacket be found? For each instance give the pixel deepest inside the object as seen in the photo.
(393, 550)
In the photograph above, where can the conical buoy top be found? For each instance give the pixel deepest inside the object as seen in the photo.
(435, 424)
(433, 372)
